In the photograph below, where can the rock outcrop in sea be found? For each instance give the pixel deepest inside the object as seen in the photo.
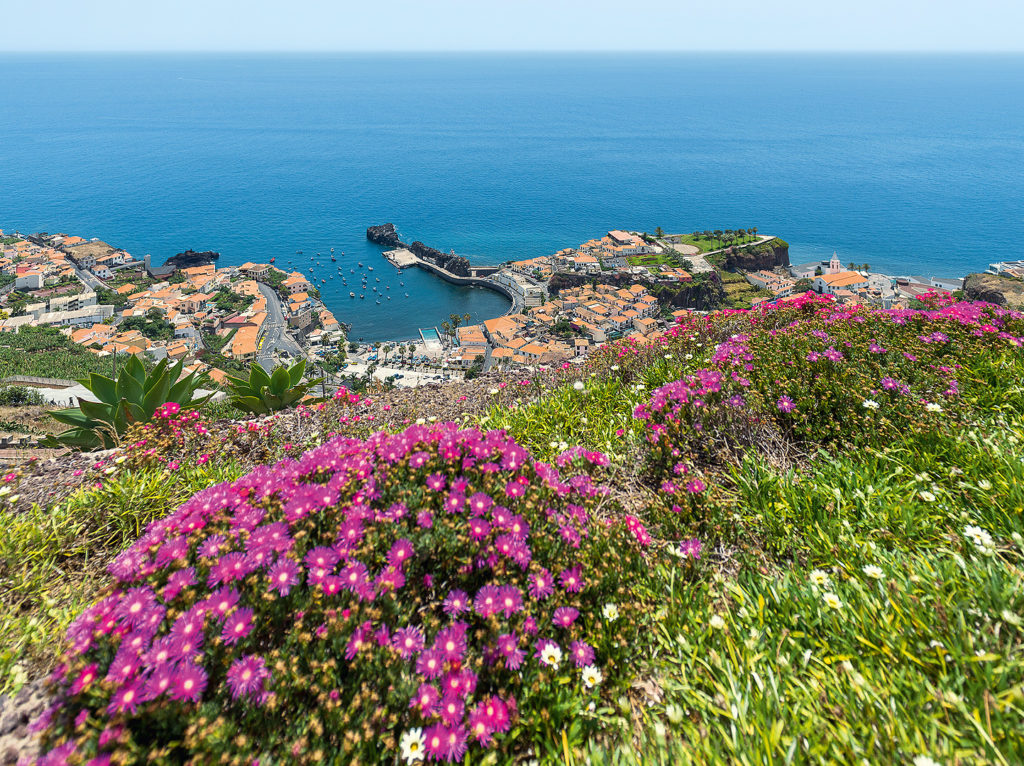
(191, 258)
(387, 236)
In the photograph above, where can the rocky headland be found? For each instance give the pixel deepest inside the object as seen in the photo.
(765, 256)
(992, 288)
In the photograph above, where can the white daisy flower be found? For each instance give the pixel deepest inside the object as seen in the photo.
(875, 573)
(413, 745)
(591, 676)
(832, 601)
(610, 612)
(819, 577)
(870, 404)
(551, 655)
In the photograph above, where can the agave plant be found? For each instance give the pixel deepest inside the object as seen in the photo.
(263, 392)
(132, 398)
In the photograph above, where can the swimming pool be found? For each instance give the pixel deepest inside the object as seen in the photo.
(430, 333)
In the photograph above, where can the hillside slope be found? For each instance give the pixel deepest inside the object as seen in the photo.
(783, 534)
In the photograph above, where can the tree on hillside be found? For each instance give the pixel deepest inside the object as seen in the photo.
(385, 349)
(658, 232)
(754, 230)
(818, 272)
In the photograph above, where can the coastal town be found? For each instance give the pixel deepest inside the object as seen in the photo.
(625, 284)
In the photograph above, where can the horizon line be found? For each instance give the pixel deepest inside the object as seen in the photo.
(528, 51)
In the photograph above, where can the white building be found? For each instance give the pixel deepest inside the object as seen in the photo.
(528, 291)
(30, 280)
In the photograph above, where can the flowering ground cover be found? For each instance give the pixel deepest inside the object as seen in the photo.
(433, 591)
(790, 535)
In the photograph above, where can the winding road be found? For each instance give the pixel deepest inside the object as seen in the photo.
(275, 337)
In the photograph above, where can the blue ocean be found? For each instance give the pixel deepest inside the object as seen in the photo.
(914, 164)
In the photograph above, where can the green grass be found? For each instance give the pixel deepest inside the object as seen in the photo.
(739, 293)
(745, 661)
(653, 259)
(926, 660)
(707, 244)
(52, 560)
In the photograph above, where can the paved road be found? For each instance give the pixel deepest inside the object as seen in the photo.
(88, 278)
(698, 259)
(275, 338)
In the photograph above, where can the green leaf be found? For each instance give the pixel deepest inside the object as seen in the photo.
(249, 404)
(156, 396)
(181, 392)
(128, 387)
(97, 410)
(151, 380)
(279, 381)
(297, 371)
(136, 370)
(72, 417)
(258, 377)
(103, 387)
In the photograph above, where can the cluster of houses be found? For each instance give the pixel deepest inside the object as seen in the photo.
(303, 311)
(189, 302)
(608, 254)
(1008, 268)
(593, 315)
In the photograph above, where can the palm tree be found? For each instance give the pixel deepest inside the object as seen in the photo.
(754, 229)
(386, 349)
(658, 232)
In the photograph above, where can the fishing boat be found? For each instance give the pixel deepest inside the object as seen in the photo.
(362, 296)
(371, 268)
(407, 295)
(402, 284)
(273, 259)
(378, 301)
(351, 295)
(351, 271)
(298, 252)
(360, 264)
(333, 258)
(378, 279)
(332, 249)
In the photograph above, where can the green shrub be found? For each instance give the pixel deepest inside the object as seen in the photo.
(434, 587)
(19, 396)
(133, 398)
(263, 393)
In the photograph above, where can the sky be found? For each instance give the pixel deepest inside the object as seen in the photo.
(512, 25)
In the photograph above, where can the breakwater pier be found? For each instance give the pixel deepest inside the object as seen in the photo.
(452, 268)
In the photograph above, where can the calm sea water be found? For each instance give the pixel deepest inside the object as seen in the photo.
(914, 164)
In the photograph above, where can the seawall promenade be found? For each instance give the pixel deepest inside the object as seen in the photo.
(404, 258)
